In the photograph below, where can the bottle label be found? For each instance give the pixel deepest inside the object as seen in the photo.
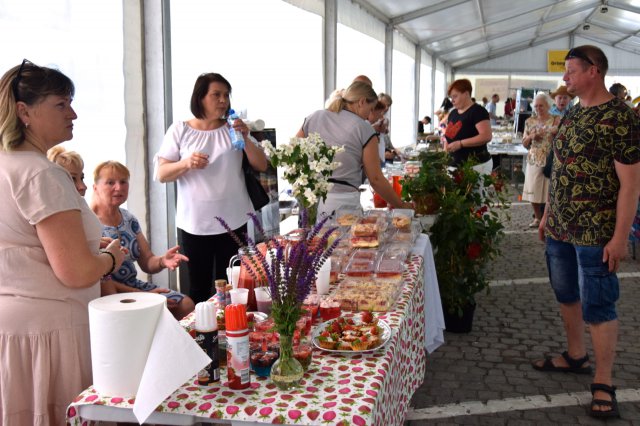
(238, 360)
(208, 341)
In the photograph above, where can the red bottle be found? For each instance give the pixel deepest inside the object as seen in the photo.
(238, 367)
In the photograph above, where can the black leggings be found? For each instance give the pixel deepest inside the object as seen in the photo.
(206, 252)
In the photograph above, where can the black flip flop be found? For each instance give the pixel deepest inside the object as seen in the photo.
(611, 390)
(574, 365)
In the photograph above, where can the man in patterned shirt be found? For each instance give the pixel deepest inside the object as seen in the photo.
(592, 201)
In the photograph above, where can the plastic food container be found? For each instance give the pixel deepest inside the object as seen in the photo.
(360, 268)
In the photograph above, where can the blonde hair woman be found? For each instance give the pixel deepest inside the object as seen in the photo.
(344, 123)
(50, 262)
(72, 162)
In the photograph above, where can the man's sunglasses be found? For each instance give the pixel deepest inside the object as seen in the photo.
(578, 54)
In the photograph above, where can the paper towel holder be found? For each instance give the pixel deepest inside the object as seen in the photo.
(128, 301)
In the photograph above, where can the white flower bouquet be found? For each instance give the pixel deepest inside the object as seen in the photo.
(307, 164)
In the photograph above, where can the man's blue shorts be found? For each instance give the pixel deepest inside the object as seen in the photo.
(577, 273)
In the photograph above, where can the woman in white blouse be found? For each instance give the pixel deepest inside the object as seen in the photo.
(199, 156)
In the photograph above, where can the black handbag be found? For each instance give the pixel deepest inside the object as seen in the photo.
(259, 197)
(548, 165)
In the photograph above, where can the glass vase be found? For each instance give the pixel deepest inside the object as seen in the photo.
(312, 215)
(287, 371)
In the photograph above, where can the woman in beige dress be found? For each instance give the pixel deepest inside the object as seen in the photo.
(539, 131)
(50, 262)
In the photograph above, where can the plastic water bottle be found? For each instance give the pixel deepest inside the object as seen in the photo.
(236, 137)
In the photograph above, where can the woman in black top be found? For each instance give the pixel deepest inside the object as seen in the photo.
(468, 128)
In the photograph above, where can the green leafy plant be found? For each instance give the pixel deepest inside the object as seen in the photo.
(425, 188)
(465, 236)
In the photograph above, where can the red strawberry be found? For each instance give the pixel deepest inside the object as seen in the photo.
(190, 405)
(278, 420)
(313, 414)
(265, 411)
(329, 415)
(173, 405)
(294, 414)
(366, 317)
(233, 410)
(357, 420)
(204, 407)
(250, 410)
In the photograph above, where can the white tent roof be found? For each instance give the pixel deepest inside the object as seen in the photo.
(462, 33)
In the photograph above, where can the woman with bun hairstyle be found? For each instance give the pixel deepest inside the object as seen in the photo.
(344, 123)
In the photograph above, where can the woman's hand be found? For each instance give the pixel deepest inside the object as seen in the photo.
(240, 126)
(104, 242)
(172, 258)
(197, 160)
(117, 251)
(453, 146)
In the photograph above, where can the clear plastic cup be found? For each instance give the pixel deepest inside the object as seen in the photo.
(239, 295)
(324, 275)
(263, 300)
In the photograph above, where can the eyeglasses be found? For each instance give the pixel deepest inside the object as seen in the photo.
(18, 77)
(578, 54)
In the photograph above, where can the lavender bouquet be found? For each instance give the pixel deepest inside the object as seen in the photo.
(291, 270)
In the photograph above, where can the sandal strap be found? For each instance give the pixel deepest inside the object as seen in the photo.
(611, 390)
(573, 362)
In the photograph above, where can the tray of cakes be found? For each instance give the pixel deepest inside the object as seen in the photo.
(370, 295)
(352, 335)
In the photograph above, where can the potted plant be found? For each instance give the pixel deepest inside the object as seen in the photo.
(425, 187)
(465, 238)
(499, 179)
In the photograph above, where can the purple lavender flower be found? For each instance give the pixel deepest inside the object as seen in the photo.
(292, 271)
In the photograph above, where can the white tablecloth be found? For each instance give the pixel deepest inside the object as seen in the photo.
(433, 317)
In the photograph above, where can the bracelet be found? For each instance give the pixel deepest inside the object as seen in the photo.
(162, 267)
(113, 262)
(461, 146)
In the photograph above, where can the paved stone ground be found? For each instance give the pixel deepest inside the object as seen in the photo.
(515, 323)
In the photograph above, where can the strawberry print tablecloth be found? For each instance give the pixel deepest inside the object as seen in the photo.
(343, 389)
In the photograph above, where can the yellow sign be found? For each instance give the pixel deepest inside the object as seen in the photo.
(555, 60)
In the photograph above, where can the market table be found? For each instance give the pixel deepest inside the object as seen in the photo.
(362, 389)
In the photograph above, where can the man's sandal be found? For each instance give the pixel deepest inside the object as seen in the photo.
(603, 403)
(574, 365)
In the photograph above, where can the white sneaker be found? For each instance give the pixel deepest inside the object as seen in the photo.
(535, 223)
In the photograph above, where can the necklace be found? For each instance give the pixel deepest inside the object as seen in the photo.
(36, 146)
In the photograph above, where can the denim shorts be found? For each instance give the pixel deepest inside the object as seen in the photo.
(577, 273)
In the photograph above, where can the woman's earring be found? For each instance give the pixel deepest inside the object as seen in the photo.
(26, 125)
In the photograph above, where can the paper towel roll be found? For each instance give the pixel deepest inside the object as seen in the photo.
(138, 348)
(122, 328)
